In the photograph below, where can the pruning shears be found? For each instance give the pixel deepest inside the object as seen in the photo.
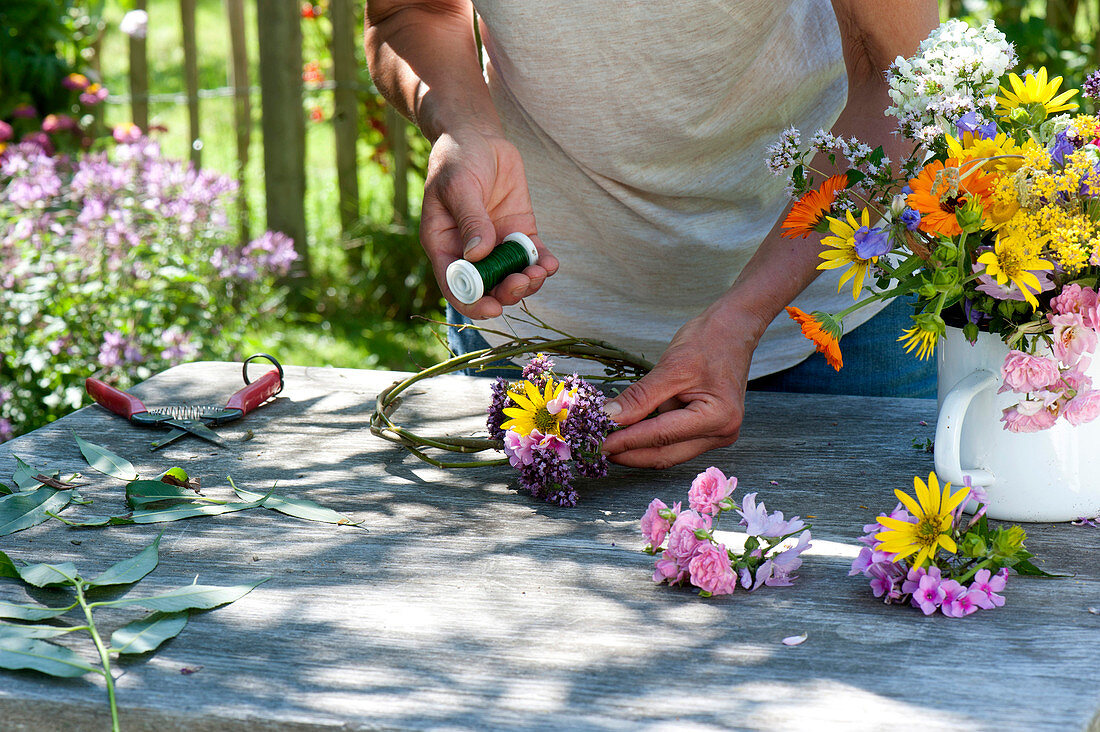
(187, 419)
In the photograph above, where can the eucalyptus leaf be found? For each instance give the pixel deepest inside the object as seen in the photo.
(105, 461)
(8, 568)
(30, 612)
(130, 570)
(16, 630)
(143, 493)
(146, 634)
(191, 597)
(25, 509)
(95, 521)
(297, 507)
(5, 490)
(48, 575)
(24, 476)
(175, 513)
(38, 655)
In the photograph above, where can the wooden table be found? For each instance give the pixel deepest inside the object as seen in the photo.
(462, 604)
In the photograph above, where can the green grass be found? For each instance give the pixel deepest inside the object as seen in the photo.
(332, 333)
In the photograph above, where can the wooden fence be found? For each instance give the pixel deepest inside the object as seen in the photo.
(279, 32)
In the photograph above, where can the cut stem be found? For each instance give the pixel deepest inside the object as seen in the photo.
(104, 657)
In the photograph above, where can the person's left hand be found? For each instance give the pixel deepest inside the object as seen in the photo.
(698, 388)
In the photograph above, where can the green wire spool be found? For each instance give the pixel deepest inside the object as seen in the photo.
(469, 281)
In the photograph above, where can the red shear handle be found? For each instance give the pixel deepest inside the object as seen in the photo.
(117, 401)
(256, 393)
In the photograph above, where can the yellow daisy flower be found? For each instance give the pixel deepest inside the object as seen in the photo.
(532, 412)
(1035, 93)
(842, 252)
(1013, 259)
(922, 340)
(931, 530)
(969, 147)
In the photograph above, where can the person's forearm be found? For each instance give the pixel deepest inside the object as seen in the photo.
(423, 59)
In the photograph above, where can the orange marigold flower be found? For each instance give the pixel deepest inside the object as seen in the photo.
(942, 188)
(809, 211)
(825, 337)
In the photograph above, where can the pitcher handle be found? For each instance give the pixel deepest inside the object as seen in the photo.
(949, 430)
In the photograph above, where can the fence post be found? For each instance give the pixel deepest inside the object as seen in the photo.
(242, 105)
(280, 35)
(139, 79)
(191, 73)
(396, 134)
(345, 121)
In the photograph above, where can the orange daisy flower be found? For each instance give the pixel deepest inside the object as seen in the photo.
(937, 200)
(826, 337)
(809, 212)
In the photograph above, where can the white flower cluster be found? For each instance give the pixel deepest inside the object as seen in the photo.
(955, 71)
(784, 154)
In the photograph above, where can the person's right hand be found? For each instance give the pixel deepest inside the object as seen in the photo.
(475, 194)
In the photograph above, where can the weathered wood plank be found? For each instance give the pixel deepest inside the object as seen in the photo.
(463, 604)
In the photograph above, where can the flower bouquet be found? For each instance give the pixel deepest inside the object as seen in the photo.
(550, 427)
(992, 223)
(694, 556)
(926, 553)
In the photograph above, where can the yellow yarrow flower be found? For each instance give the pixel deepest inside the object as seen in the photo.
(842, 251)
(932, 511)
(1013, 258)
(1035, 93)
(532, 412)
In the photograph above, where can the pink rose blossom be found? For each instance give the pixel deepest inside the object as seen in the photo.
(709, 489)
(711, 571)
(668, 569)
(1082, 408)
(654, 526)
(519, 448)
(1029, 415)
(682, 541)
(1077, 300)
(1023, 372)
(1072, 338)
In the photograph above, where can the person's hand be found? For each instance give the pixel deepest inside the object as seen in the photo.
(475, 195)
(698, 388)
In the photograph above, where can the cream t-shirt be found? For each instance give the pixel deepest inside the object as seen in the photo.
(642, 127)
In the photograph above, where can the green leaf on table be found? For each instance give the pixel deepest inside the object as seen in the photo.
(297, 507)
(175, 513)
(38, 655)
(48, 575)
(1026, 568)
(24, 476)
(105, 461)
(142, 493)
(8, 568)
(15, 611)
(130, 570)
(191, 597)
(178, 476)
(16, 630)
(146, 634)
(28, 508)
(4, 490)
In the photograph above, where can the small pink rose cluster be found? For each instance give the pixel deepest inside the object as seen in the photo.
(692, 555)
(1056, 385)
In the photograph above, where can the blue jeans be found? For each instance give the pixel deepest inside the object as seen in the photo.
(875, 364)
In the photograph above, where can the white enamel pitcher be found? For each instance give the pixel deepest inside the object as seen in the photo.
(1053, 475)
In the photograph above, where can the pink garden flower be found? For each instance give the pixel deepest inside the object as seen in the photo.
(1024, 372)
(93, 95)
(1082, 408)
(987, 586)
(1029, 415)
(1072, 338)
(929, 594)
(6, 131)
(682, 541)
(668, 569)
(75, 82)
(709, 489)
(126, 132)
(654, 526)
(1077, 300)
(710, 570)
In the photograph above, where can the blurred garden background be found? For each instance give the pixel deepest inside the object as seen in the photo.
(145, 222)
